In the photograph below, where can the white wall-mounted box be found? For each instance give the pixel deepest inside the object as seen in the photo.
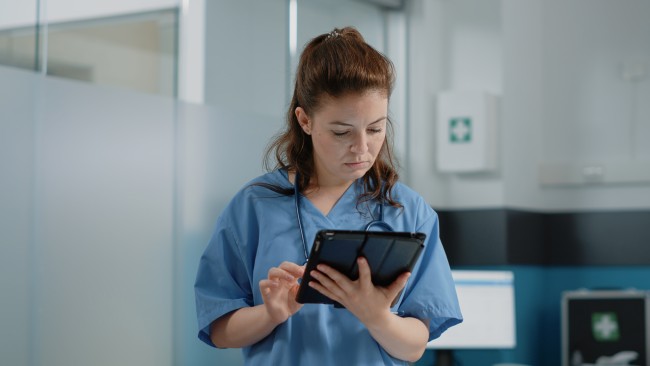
(466, 132)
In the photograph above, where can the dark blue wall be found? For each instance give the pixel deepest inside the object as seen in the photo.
(538, 293)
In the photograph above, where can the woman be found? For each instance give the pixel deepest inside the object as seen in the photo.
(334, 170)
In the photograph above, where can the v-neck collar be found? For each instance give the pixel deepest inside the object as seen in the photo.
(348, 194)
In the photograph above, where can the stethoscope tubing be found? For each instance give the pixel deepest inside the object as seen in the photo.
(375, 223)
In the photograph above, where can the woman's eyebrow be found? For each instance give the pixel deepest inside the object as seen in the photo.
(379, 120)
(339, 123)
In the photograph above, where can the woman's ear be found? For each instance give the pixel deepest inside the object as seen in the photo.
(303, 120)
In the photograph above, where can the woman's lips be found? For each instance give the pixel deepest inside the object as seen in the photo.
(357, 165)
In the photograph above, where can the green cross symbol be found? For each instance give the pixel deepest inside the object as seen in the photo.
(460, 130)
(604, 327)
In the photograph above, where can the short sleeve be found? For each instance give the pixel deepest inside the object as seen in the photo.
(222, 281)
(431, 293)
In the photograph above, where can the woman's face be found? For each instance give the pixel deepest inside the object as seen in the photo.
(347, 134)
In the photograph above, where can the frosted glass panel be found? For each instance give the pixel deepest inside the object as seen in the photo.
(86, 224)
(104, 189)
(16, 177)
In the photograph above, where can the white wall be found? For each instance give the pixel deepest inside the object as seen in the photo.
(557, 69)
(321, 16)
(246, 55)
(453, 46)
(522, 114)
(592, 115)
(17, 14)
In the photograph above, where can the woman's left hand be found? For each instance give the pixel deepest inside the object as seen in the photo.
(361, 297)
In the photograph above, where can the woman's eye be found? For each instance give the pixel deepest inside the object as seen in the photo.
(340, 134)
(374, 130)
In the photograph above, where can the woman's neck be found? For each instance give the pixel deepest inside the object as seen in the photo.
(323, 195)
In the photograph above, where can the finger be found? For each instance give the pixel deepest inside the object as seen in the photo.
(266, 286)
(365, 276)
(323, 290)
(333, 274)
(293, 291)
(397, 285)
(280, 274)
(268, 283)
(292, 268)
(342, 284)
(327, 283)
(322, 278)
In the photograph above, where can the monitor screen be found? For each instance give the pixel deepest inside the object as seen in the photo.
(487, 302)
(605, 328)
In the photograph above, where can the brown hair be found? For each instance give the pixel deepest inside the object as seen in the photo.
(332, 65)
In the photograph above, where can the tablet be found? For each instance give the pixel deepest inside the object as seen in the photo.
(389, 254)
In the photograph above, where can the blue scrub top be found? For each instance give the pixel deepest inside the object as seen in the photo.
(259, 230)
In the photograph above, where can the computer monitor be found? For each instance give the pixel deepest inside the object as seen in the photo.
(605, 328)
(487, 302)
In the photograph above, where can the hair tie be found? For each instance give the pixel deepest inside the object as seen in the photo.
(333, 34)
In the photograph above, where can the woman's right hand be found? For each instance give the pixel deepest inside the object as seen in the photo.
(248, 325)
(279, 291)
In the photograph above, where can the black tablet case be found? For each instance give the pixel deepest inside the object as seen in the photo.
(389, 254)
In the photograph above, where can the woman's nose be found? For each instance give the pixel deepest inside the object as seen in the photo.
(360, 144)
